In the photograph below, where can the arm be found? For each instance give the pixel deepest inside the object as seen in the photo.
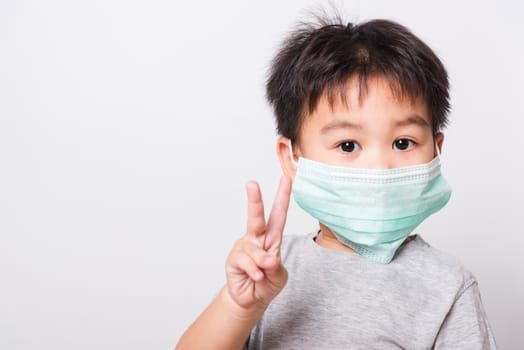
(223, 325)
(254, 274)
(466, 325)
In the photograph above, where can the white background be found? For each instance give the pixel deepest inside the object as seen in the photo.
(129, 128)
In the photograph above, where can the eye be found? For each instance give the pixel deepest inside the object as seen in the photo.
(403, 144)
(349, 146)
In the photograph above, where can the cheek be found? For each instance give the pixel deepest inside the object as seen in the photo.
(313, 147)
(424, 154)
(421, 154)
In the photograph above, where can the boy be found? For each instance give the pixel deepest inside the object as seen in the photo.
(362, 108)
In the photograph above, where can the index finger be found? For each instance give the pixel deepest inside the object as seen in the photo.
(278, 216)
(256, 222)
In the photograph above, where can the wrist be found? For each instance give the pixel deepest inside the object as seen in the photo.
(241, 313)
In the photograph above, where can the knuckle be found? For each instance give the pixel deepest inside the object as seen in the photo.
(256, 226)
(240, 244)
(235, 252)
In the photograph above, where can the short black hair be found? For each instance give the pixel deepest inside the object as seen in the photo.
(318, 58)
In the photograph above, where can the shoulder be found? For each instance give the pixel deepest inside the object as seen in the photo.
(433, 266)
(464, 323)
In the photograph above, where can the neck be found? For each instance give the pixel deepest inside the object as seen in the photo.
(327, 239)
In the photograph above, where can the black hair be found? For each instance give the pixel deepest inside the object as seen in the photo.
(319, 58)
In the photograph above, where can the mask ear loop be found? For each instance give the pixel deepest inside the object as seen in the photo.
(291, 153)
(437, 149)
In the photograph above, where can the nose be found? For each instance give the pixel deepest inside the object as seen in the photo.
(378, 159)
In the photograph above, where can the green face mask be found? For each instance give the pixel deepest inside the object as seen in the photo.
(370, 210)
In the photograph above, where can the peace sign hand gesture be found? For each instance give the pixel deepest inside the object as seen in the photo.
(254, 271)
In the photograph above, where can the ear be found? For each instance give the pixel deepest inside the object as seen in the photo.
(284, 155)
(439, 139)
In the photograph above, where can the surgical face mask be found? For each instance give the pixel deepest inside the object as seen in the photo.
(370, 210)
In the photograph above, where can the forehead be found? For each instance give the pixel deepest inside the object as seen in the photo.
(374, 102)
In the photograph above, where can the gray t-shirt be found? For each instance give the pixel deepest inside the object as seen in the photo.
(423, 299)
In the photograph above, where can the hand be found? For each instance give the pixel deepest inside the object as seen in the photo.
(254, 271)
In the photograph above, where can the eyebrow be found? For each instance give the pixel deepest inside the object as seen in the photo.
(413, 119)
(339, 124)
(344, 124)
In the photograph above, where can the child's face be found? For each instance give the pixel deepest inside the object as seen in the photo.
(380, 132)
